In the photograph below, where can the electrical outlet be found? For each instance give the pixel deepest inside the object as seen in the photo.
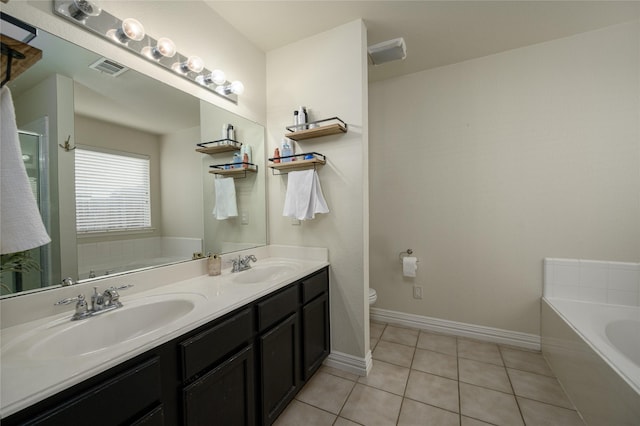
(417, 292)
(295, 221)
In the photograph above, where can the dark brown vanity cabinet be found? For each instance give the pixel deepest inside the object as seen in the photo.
(239, 370)
(218, 370)
(131, 396)
(279, 354)
(315, 322)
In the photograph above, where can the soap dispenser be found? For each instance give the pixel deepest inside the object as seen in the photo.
(214, 264)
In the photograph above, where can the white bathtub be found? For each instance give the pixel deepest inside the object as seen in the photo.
(594, 350)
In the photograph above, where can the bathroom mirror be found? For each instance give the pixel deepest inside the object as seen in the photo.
(62, 99)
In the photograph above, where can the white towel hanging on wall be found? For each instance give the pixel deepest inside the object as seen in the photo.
(304, 196)
(225, 198)
(20, 220)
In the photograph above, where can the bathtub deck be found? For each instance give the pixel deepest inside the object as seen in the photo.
(602, 394)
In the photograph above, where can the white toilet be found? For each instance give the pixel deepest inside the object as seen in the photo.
(373, 296)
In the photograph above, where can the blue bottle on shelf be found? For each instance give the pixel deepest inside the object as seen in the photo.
(237, 161)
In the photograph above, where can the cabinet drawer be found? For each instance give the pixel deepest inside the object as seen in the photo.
(315, 285)
(207, 348)
(135, 390)
(277, 307)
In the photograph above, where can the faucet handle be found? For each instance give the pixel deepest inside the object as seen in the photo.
(122, 287)
(67, 282)
(68, 300)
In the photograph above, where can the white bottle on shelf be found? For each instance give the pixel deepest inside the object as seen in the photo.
(302, 117)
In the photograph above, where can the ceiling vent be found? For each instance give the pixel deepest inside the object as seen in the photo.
(387, 51)
(108, 67)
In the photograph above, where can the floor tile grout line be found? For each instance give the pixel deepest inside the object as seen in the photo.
(546, 403)
(406, 385)
(512, 388)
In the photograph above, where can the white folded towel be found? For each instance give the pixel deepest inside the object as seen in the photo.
(20, 222)
(304, 196)
(225, 197)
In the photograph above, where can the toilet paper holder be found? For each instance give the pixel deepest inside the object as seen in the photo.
(406, 253)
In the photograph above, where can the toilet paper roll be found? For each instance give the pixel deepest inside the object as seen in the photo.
(409, 266)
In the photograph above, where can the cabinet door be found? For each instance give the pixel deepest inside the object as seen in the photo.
(315, 334)
(279, 367)
(225, 395)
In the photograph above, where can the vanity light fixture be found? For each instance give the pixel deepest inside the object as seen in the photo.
(193, 63)
(130, 35)
(131, 29)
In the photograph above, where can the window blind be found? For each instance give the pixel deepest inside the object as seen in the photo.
(112, 191)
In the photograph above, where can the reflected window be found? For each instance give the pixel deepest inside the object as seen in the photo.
(112, 191)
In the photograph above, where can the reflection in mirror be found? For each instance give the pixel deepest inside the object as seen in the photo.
(127, 115)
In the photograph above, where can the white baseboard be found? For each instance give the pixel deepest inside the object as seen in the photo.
(490, 334)
(349, 363)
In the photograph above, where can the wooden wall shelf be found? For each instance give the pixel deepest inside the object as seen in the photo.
(219, 169)
(18, 66)
(216, 147)
(335, 126)
(298, 164)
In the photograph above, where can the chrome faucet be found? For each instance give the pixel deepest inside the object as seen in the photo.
(242, 263)
(106, 301)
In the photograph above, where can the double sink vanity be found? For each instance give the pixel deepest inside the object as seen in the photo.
(229, 349)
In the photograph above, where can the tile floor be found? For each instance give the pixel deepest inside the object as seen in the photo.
(422, 378)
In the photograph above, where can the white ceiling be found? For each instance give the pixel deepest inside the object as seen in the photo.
(437, 33)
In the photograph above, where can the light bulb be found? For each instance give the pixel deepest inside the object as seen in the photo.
(80, 10)
(165, 47)
(131, 29)
(216, 77)
(193, 63)
(237, 87)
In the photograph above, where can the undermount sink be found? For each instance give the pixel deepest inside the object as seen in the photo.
(261, 273)
(84, 337)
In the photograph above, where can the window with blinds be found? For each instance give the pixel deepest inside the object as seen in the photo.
(112, 191)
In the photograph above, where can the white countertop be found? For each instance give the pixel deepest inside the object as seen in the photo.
(28, 375)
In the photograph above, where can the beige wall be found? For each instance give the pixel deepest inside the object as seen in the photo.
(181, 189)
(331, 81)
(487, 166)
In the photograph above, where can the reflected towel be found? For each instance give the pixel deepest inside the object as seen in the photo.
(225, 197)
(20, 221)
(304, 196)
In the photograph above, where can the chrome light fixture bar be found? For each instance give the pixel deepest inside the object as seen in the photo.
(129, 34)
